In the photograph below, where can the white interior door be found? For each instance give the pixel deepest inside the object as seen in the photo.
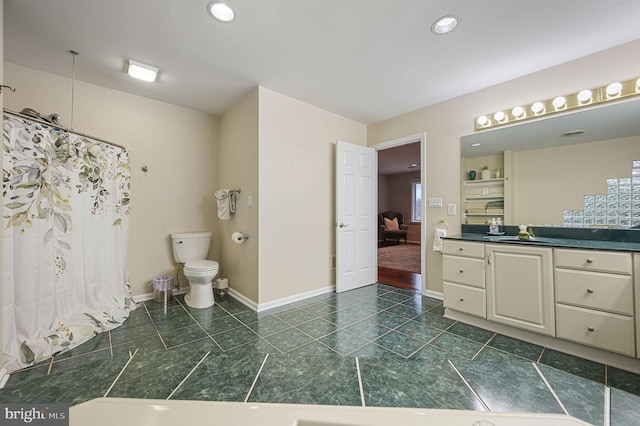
(356, 216)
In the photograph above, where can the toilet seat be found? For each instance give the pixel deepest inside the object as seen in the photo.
(201, 266)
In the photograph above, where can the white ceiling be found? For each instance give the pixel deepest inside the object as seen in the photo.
(367, 60)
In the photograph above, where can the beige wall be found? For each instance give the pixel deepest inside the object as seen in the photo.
(446, 122)
(178, 145)
(399, 199)
(237, 167)
(297, 194)
(548, 181)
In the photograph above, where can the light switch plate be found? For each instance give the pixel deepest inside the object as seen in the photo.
(249, 201)
(435, 203)
(451, 209)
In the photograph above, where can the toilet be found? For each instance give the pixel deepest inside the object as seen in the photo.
(191, 249)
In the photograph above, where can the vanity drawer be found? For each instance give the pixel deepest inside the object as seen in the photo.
(593, 260)
(605, 292)
(463, 270)
(465, 299)
(463, 248)
(599, 329)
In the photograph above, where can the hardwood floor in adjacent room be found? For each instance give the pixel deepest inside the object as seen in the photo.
(402, 279)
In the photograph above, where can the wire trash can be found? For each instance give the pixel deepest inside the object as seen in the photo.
(162, 287)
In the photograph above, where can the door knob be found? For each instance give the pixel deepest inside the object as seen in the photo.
(342, 225)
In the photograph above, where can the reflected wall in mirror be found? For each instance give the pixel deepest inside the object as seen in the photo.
(554, 167)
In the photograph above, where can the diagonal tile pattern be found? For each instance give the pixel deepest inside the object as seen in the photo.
(394, 342)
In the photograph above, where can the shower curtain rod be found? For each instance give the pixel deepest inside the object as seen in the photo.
(28, 117)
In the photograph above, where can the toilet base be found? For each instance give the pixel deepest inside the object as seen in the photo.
(200, 296)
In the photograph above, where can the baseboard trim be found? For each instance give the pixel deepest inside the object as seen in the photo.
(149, 296)
(243, 299)
(295, 298)
(434, 294)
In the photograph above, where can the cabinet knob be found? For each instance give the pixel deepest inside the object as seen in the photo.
(462, 299)
(589, 260)
(589, 290)
(591, 329)
(460, 248)
(461, 271)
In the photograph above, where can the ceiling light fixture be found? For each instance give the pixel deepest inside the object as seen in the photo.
(220, 11)
(584, 98)
(444, 25)
(141, 71)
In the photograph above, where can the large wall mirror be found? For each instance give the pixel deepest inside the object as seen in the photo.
(574, 169)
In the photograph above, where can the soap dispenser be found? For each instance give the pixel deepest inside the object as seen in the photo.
(493, 228)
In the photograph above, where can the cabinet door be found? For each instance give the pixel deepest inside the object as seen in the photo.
(520, 287)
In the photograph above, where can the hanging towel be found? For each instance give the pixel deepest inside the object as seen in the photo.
(437, 240)
(224, 204)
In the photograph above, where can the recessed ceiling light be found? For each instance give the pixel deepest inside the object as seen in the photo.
(141, 71)
(220, 11)
(445, 24)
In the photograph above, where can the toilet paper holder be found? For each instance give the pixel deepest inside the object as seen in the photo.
(239, 237)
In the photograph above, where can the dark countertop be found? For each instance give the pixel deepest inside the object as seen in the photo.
(559, 242)
(551, 236)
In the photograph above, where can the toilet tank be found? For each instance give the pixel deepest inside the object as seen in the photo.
(190, 246)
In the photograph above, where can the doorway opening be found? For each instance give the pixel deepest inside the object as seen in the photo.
(401, 208)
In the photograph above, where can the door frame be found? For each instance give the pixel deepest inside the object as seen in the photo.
(422, 138)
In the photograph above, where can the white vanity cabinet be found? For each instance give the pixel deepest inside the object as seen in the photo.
(463, 275)
(520, 287)
(595, 299)
(583, 296)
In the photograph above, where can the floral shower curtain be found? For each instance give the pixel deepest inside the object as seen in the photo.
(66, 205)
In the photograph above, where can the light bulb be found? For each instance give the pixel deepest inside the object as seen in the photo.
(537, 107)
(499, 116)
(482, 120)
(517, 112)
(585, 96)
(559, 102)
(614, 89)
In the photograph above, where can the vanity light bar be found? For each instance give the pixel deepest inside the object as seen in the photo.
(587, 97)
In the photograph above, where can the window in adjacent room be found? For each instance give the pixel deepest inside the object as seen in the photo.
(416, 201)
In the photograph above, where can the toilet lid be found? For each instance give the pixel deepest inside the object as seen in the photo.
(201, 265)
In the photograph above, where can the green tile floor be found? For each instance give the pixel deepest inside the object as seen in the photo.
(374, 346)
